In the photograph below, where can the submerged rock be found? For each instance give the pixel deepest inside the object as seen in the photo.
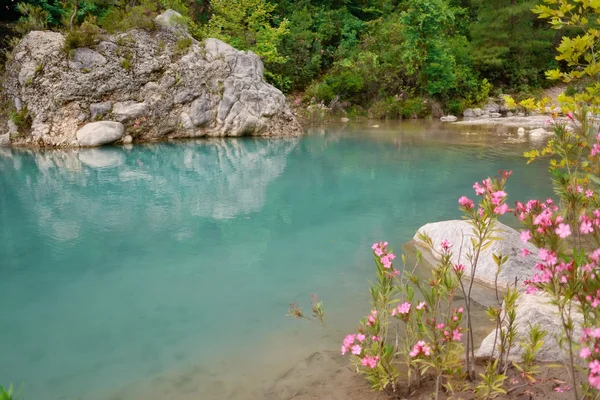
(144, 78)
(539, 132)
(448, 118)
(458, 231)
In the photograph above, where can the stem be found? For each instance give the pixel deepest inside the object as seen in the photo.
(437, 387)
(75, 10)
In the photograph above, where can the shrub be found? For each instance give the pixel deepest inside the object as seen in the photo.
(34, 18)
(182, 45)
(22, 119)
(131, 17)
(84, 36)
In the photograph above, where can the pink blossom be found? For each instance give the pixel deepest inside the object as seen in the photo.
(594, 380)
(421, 305)
(525, 252)
(456, 335)
(570, 115)
(585, 352)
(595, 149)
(369, 361)
(478, 189)
(461, 310)
(459, 269)
(501, 209)
(420, 348)
(349, 340)
(440, 326)
(356, 349)
(404, 308)
(344, 350)
(465, 202)
(360, 337)
(563, 230)
(446, 245)
(525, 236)
(589, 193)
(375, 338)
(586, 227)
(594, 367)
(498, 196)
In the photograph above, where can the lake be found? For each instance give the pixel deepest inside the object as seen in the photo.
(166, 270)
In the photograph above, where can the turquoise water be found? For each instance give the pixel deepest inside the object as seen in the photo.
(171, 266)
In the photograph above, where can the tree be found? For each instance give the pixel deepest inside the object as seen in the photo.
(510, 46)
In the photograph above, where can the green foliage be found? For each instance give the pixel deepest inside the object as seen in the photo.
(510, 46)
(9, 394)
(183, 44)
(22, 119)
(34, 18)
(491, 383)
(138, 16)
(84, 36)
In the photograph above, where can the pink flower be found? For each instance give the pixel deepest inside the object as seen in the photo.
(498, 196)
(525, 252)
(420, 348)
(360, 337)
(461, 310)
(446, 245)
(465, 202)
(570, 115)
(421, 305)
(375, 338)
(589, 193)
(501, 209)
(585, 353)
(525, 236)
(459, 269)
(478, 189)
(404, 308)
(440, 326)
(356, 349)
(586, 227)
(456, 335)
(594, 367)
(344, 350)
(563, 230)
(349, 340)
(595, 149)
(369, 361)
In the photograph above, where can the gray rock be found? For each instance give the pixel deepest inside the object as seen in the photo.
(448, 118)
(458, 231)
(126, 110)
(520, 114)
(202, 110)
(99, 133)
(84, 58)
(535, 309)
(100, 109)
(491, 107)
(495, 115)
(220, 88)
(509, 114)
(13, 129)
(477, 112)
(18, 103)
(127, 139)
(5, 140)
(503, 108)
(521, 131)
(345, 119)
(469, 113)
(539, 132)
(172, 21)
(186, 121)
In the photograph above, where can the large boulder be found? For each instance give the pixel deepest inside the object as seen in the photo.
(469, 113)
(99, 133)
(534, 309)
(159, 84)
(460, 232)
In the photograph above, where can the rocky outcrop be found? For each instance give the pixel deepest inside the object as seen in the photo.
(535, 309)
(458, 231)
(157, 84)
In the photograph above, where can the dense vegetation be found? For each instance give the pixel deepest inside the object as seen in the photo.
(394, 58)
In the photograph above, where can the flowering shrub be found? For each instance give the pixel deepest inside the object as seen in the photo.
(568, 235)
